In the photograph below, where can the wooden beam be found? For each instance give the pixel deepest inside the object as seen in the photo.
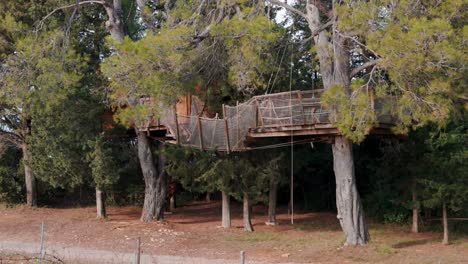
(226, 130)
(177, 124)
(200, 133)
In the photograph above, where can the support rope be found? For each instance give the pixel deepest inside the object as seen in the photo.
(292, 139)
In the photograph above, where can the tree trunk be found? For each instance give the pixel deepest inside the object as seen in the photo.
(414, 227)
(445, 223)
(172, 203)
(150, 175)
(208, 197)
(272, 202)
(30, 180)
(226, 210)
(100, 204)
(161, 184)
(115, 23)
(247, 210)
(348, 202)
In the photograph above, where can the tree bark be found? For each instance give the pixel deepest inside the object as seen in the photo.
(348, 202)
(30, 180)
(226, 210)
(161, 184)
(115, 23)
(414, 227)
(272, 194)
(150, 175)
(247, 211)
(445, 241)
(208, 197)
(100, 204)
(153, 206)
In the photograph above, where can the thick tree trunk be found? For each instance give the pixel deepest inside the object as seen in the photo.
(150, 175)
(414, 227)
(226, 210)
(247, 211)
(115, 23)
(272, 202)
(30, 180)
(100, 204)
(348, 202)
(445, 223)
(161, 184)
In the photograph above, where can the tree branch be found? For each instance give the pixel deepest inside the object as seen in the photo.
(10, 137)
(317, 31)
(362, 67)
(288, 7)
(72, 5)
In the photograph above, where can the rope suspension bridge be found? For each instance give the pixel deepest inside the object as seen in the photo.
(285, 115)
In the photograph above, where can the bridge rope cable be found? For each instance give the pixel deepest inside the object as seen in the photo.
(292, 137)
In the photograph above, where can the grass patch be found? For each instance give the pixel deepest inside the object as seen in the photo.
(316, 226)
(253, 237)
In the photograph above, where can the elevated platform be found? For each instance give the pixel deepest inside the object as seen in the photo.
(297, 114)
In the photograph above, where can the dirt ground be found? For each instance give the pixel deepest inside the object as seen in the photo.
(194, 231)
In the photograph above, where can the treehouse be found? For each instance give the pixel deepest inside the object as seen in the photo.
(297, 114)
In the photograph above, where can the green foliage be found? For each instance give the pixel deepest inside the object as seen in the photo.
(11, 182)
(201, 172)
(420, 48)
(190, 166)
(103, 166)
(446, 180)
(149, 67)
(354, 118)
(39, 74)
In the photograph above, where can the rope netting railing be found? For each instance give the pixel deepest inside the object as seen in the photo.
(288, 109)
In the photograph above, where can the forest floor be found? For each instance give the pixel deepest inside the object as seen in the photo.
(193, 231)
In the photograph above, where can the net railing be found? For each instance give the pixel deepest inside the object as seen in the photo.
(288, 109)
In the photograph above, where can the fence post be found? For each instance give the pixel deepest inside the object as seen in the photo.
(242, 257)
(137, 254)
(42, 242)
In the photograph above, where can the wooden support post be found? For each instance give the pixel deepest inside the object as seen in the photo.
(226, 130)
(256, 113)
(260, 116)
(176, 120)
(299, 95)
(200, 133)
(290, 108)
(238, 123)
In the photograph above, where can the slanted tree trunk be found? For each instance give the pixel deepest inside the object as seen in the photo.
(247, 211)
(272, 194)
(30, 180)
(348, 202)
(150, 175)
(100, 204)
(161, 184)
(414, 227)
(225, 210)
(115, 26)
(445, 241)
